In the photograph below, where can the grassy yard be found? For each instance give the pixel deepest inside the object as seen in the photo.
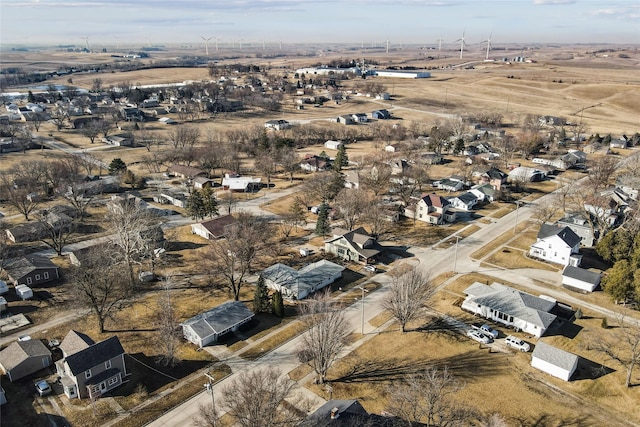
(517, 258)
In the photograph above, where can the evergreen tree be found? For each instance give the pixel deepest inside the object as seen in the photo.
(117, 166)
(261, 299)
(278, 304)
(30, 97)
(210, 202)
(196, 205)
(322, 226)
(341, 160)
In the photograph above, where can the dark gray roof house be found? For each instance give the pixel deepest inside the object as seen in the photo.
(346, 413)
(94, 354)
(31, 270)
(355, 245)
(205, 328)
(22, 358)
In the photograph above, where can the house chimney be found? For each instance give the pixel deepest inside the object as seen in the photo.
(334, 413)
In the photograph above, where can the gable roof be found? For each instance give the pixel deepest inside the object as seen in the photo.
(467, 197)
(218, 319)
(306, 279)
(555, 356)
(218, 226)
(94, 355)
(74, 342)
(17, 268)
(582, 275)
(349, 413)
(432, 199)
(565, 233)
(511, 301)
(19, 351)
(357, 239)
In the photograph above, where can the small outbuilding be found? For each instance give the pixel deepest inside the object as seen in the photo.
(24, 292)
(554, 361)
(580, 279)
(333, 145)
(205, 328)
(22, 358)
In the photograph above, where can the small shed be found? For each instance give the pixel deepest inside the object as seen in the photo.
(24, 292)
(580, 279)
(332, 145)
(205, 328)
(554, 361)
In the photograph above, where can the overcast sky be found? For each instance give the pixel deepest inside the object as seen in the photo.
(107, 22)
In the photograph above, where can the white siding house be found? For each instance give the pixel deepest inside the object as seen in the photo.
(298, 284)
(559, 245)
(554, 361)
(205, 328)
(510, 307)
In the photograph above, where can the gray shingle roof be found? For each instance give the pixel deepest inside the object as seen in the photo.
(19, 351)
(218, 319)
(306, 279)
(565, 233)
(555, 356)
(17, 268)
(75, 341)
(94, 355)
(581, 274)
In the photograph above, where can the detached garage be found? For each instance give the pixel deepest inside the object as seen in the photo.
(205, 328)
(579, 279)
(554, 361)
(22, 358)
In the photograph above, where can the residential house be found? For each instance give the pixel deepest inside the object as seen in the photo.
(333, 145)
(484, 192)
(206, 328)
(431, 158)
(617, 144)
(465, 201)
(241, 184)
(215, 228)
(579, 225)
(511, 307)
(132, 114)
(90, 369)
(121, 140)
(608, 206)
(559, 245)
(493, 176)
(554, 361)
(398, 166)
(356, 245)
(360, 117)
(316, 164)
(277, 124)
(28, 232)
(23, 358)
(346, 413)
(298, 284)
(185, 172)
(630, 185)
(452, 183)
(381, 115)
(431, 208)
(351, 179)
(579, 279)
(345, 120)
(172, 197)
(31, 270)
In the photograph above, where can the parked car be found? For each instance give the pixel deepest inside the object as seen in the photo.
(43, 388)
(371, 268)
(489, 330)
(517, 343)
(477, 336)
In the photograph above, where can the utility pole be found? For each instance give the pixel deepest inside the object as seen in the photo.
(455, 257)
(362, 304)
(209, 387)
(516, 221)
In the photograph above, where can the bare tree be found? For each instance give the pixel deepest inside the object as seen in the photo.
(408, 295)
(19, 192)
(258, 398)
(99, 284)
(601, 172)
(325, 186)
(376, 216)
(128, 221)
(91, 130)
(547, 208)
(327, 330)
(57, 229)
(167, 325)
(376, 178)
(233, 256)
(623, 346)
(184, 136)
(351, 203)
(427, 398)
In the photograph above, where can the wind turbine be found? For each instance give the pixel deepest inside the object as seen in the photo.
(488, 46)
(462, 43)
(206, 43)
(439, 44)
(86, 41)
(216, 40)
(387, 45)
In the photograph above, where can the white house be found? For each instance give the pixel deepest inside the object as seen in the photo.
(559, 245)
(431, 208)
(205, 328)
(214, 228)
(554, 361)
(298, 284)
(277, 124)
(580, 279)
(510, 307)
(484, 192)
(525, 174)
(333, 145)
(240, 183)
(465, 201)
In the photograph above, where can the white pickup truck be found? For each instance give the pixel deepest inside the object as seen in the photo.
(486, 330)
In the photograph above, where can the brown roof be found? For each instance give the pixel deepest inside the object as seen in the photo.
(434, 200)
(217, 226)
(19, 351)
(74, 342)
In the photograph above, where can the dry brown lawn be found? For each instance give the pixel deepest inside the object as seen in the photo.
(511, 258)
